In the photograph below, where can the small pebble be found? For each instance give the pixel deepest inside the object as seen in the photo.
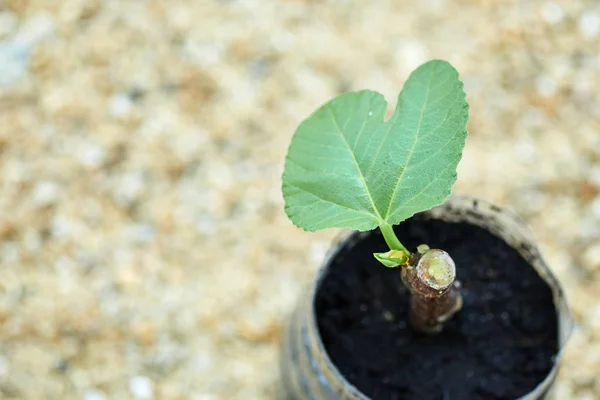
(32, 240)
(61, 227)
(129, 188)
(552, 13)
(143, 233)
(205, 224)
(545, 86)
(595, 175)
(589, 228)
(93, 394)
(36, 29)
(120, 105)
(283, 41)
(141, 388)
(203, 54)
(411, 54)
(91, 155)
(591, 257)
(318, 251)
(589, 25)
(15, 60)
(3, 366)
(204, 396)
(45, 193)
(587, 395)
(201, 362)
(8, 23)
(525, 149)
(596, 206)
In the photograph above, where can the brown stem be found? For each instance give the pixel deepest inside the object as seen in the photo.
(435, 293)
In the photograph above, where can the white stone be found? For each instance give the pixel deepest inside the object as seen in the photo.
(141, 388)
(36, 29)
(8, 23)
(589, 229)
(15, 53)
(15, 59)
(14, 171)
(90, 154)
(205, 224)
(129, 188)
(201, 362)
(3, 366)
(596, 206)
(120, 105)
(220, 175)
(589, 25)
(545, 86)
(188, 145)
(525, 149)
(45, 193)
(64, 271)
(179, 17)
(411, 54)
(587, 395)
(204, 396)
(552, 13)
(11, 252)
(62, 227)
(595, 175)
(591, 257)
(111, 307)
(32, 240)
(581, 82)
(143, 233)
(283, 41)
(593, 316)
(563, 391)
(204, 54)
(93, 394)
(318, 251)
(64, 264)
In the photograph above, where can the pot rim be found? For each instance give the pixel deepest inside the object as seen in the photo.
(566, 323)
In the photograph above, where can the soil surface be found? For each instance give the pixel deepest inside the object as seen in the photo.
(499, 346)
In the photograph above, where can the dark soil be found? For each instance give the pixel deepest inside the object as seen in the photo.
(499, 346)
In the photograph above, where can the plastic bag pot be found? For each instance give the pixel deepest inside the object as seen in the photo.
(308, 372)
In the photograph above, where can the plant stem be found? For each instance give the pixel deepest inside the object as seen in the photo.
(435, 293)
(430, 276)
(391, 239)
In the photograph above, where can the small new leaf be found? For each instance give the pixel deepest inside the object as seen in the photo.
(392, 258)
(348, 168)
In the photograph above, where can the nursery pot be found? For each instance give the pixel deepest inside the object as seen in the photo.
(349, 336)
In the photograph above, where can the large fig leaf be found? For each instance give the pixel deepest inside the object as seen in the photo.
(348, 168)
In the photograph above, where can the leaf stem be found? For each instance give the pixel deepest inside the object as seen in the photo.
(391, 239)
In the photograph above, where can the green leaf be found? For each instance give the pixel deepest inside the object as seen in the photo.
(392, 258)
(348, 168)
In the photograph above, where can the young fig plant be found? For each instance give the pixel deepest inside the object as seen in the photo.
(347, 167)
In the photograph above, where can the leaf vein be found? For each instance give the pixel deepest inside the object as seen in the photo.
(412, 150)
(329, 201)
(360, 173)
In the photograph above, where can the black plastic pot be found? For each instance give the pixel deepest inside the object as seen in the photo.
(307, 370)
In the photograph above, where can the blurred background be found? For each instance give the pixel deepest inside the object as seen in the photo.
(144, 251)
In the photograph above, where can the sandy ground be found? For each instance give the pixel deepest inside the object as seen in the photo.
(144, 252)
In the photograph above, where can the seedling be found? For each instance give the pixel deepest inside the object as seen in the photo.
(347, 167)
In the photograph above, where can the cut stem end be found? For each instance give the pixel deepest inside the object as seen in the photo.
(435, 294)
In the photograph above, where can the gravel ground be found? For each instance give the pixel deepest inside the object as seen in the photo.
(144, 252)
